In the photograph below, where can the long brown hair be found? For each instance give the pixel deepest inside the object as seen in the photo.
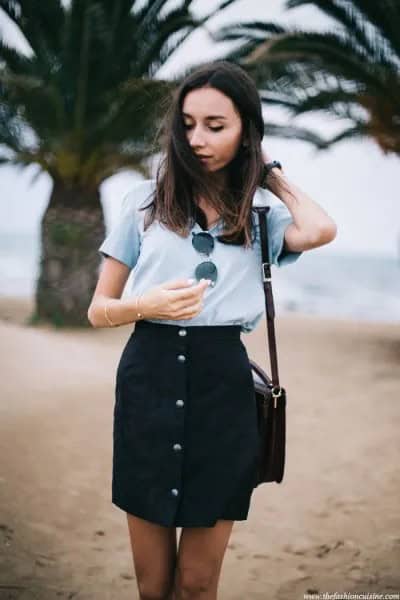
(181, 176)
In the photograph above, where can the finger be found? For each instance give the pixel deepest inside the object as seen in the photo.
(189, 314)
(192, 310)
(190, 293)
(178, 283)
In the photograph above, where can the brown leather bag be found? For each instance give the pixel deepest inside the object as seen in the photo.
(270, 396)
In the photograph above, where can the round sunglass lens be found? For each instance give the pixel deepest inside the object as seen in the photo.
(206, 270)
(203, 242)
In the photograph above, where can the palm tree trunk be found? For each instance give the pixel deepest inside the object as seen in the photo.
(72, 231)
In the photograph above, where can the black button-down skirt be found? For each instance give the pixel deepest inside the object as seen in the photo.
(185, 441)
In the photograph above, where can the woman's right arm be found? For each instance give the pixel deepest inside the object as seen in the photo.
(175, 299)
(112, 279)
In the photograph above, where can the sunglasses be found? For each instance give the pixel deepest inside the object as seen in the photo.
(204, 243)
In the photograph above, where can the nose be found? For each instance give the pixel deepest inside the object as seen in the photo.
(196, 138)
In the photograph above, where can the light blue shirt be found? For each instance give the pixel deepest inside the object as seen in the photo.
(158, 255)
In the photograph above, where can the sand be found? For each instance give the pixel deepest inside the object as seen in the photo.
(332, 525)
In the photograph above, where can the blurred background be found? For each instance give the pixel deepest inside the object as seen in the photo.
(354, 180)
(83, 86)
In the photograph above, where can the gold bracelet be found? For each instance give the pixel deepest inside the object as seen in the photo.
(106, 315)
(139, 314)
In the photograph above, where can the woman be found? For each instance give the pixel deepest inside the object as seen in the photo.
(185, 437)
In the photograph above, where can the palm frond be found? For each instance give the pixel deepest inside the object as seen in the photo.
(11, 130)
(328, 51)
(178, 22)
(35, 103)
(293, 132)
(362, 29)
(40, 23)
(252, 31)
(384, 16)
(14, 60)
(358, 131)
(130, 103)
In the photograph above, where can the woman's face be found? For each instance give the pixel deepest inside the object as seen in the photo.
(213, 127)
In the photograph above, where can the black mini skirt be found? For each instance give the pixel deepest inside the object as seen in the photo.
(185, 441)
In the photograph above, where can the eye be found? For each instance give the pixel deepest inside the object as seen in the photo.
(217, 128)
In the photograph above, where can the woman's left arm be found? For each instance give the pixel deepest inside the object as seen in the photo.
(312, 226)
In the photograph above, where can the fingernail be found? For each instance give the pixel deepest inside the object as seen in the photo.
(190, 280)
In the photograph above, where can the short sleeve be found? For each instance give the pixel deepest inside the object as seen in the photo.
(278, 218)
(123, 241)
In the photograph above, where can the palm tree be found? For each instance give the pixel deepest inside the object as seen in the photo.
(350, 72)
(82, 105)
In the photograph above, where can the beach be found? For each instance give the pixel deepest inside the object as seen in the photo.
(332, 525)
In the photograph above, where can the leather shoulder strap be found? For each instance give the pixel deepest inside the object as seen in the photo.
(262, 212)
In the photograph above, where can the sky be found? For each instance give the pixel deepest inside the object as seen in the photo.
(354, 182)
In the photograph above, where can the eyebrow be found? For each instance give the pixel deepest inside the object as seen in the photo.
(209, 118)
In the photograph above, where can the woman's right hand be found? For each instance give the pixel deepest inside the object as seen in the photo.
(173, 300)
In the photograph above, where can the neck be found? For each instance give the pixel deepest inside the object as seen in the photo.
(219, 180)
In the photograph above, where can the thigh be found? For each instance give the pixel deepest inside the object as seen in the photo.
(200, 555)
(154, 549)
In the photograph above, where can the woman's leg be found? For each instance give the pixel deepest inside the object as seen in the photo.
(200, 555)
(154, 557)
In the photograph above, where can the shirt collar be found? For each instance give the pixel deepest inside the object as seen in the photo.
(216, 227)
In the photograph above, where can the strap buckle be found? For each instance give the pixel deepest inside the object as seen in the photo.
(266, 271)
(276, 395)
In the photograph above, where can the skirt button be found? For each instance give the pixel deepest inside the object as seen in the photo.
(182, 332)
(174, 492)
(181, 358)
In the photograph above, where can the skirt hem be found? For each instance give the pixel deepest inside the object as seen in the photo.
(177, 523)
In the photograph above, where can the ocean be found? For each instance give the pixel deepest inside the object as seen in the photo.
(341, 286)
